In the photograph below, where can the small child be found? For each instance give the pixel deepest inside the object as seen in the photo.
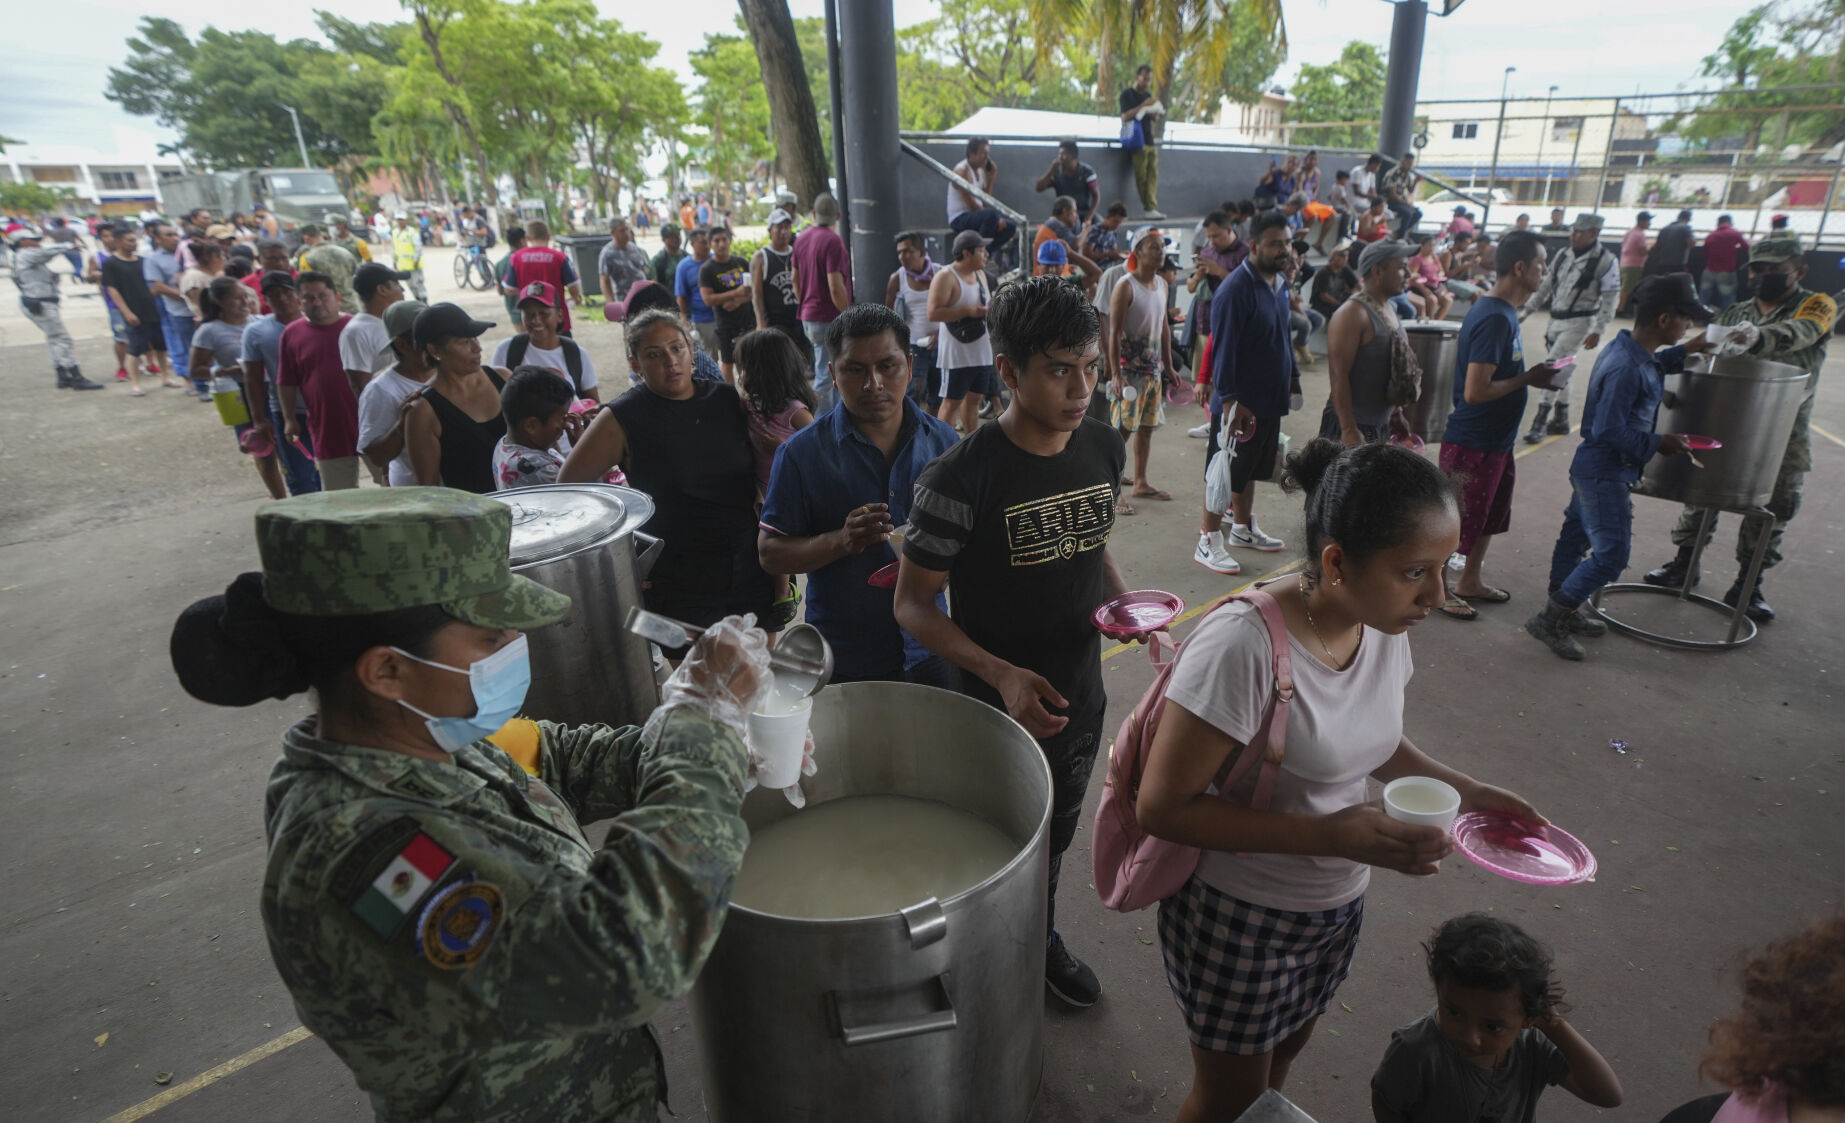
(778, 402)
(536, 402)
(1495, 1039)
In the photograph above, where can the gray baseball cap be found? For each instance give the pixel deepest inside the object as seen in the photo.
(1379, 252)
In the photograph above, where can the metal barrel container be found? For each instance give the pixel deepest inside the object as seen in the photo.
(584, 540)
(1436, 343)
(931, 1014)
(1747, 403)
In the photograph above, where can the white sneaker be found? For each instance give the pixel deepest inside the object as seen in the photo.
(1199, 431)
(1212, 555)
(1251, 538)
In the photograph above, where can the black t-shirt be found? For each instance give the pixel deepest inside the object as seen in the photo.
(732, 274)
(1673, 248)
(694, 457)
(1331, 287)
(125, 277)
(1022, 539)
(1131, 98)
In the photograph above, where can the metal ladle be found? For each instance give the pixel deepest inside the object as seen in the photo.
(803, 657)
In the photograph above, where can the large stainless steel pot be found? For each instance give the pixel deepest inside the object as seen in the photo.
(929, 1015)
(1749, 404)
(584, 540)
(1436, 343)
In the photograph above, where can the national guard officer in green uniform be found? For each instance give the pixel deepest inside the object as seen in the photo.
(1788, 324)
(430, 899)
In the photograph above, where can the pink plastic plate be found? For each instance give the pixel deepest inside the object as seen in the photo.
(1700, 444)
(885, 578)
(1136, 613)
(1180, 393)
(1510, 848)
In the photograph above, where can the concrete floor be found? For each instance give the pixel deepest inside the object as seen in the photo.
(133, 868)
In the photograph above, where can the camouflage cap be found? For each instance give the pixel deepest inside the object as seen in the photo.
(343, 553)
(1773, 251)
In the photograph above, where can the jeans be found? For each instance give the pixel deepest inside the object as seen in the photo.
(924, 390)
(1071, 754)
(1717, 289)
(1598, 522)
(1304, 325)
(298, 471)
(823, 365)
(989, 222)
(1407, 215)
(178, 332)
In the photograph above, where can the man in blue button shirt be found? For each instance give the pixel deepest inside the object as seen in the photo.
(841, 486)
(1617, 441)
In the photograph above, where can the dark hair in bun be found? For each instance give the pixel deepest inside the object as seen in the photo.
(1367, 499)
(235, 650)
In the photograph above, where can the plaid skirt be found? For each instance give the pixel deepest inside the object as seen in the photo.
(1247, 977)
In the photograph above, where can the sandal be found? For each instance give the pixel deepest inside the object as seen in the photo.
(136, 392)
(1490, 596)
(1153, 493)
(1457, 609)
(1123, 507)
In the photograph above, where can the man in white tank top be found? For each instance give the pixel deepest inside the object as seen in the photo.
(964, 350)
(908, 293)
(1139, 346)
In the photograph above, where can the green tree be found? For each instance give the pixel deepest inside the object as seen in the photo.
(785, 66)
(733, 109)
(31, 198)
(1340, 101)
(1767, 48)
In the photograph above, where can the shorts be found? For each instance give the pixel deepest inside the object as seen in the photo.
(1630, 276)
(1248, 977)
(962, 381)
(727, 345)
(118, 324)
(1255, 457)
(923, 384)
(144, 337)
(1145, 411)
(338, 474)
(1485, 480)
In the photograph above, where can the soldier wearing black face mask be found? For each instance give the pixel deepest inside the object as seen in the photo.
(1788, 324)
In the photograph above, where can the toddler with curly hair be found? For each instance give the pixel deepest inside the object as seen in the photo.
(1495, 1040)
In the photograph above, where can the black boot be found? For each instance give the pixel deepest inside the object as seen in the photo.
(1560, 420)
(1536, 432)
(1672, 574)
(1756, 609)
(63, 378)
(76, 381)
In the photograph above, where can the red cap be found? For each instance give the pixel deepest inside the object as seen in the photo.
(541, 291)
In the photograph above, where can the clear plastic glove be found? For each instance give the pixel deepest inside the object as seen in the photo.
(1733, 339)
(725, 676)
(793, 791)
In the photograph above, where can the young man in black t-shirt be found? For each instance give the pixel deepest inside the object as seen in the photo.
(724, 282)
(1017, 516)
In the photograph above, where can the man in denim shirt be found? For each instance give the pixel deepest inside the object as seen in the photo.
(1617, 441)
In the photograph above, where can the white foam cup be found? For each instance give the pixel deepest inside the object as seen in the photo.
(778, 738)
(1422, 800)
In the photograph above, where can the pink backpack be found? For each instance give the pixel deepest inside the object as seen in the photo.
(1133, 869)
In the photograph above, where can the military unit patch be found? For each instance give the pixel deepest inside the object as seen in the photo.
(402, 885)
(456, 927)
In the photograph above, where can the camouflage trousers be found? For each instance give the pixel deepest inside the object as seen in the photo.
(1790, 481)
(1562, 339)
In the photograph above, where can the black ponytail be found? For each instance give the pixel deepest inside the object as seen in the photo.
(1367, 499)
(235, 650)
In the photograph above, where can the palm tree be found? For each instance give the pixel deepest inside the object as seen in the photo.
(1189, 43)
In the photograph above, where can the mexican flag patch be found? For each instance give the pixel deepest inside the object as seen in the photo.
(408, 878)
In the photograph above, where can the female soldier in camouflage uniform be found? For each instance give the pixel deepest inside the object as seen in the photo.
(430, 899)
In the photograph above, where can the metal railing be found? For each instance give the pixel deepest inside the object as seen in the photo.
(1018, 220)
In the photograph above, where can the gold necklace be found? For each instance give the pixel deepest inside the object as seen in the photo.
(1305, 607)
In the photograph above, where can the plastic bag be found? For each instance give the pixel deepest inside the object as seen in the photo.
(1217, 481)
(725, 676)
(793, 791)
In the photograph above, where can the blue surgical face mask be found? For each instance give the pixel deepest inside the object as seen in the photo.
(499, 683)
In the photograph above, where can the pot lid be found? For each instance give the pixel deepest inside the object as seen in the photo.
(1446, 327)
(554, 520)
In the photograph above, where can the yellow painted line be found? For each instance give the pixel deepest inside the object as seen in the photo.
(1547, 441)
(211, 1076)
(1197, 608)
(1834, 438)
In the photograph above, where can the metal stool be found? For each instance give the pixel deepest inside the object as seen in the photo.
(1739, 619)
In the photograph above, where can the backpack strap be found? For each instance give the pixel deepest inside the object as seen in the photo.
(573, 359)
(515, 350)
(1271, 741)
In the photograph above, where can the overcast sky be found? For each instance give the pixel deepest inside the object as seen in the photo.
(51, 88)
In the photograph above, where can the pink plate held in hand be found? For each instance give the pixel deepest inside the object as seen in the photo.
(885, 578)
(1700, 444)
(1515, 849)
(1136, 613)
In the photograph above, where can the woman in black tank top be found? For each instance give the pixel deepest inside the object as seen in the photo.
(686, 444)
(451, 432)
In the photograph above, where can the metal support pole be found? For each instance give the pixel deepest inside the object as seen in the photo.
(1544, 130)
(299, 143)
(1492, 175)
(1407, 24)
(871, 151)
(1575, 153)
(1601, 181)
(1832, 193)
(836, 99)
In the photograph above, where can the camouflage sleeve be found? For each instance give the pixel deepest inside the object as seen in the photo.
(416, 911)
(1811, 324)
(600, 771)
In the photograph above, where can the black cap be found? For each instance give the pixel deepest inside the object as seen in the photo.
(371, 276)
(277, 279)
(1644, 216)
(445, 321)
(1671, 292)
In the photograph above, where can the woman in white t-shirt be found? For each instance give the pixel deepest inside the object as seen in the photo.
(1259, 940)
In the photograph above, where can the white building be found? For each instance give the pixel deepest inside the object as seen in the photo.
(1550, 148)
(1261, 124)
(122, 182)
